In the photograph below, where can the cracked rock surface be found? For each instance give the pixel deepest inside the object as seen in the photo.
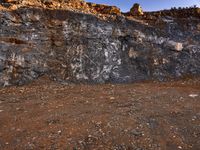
(74, 45)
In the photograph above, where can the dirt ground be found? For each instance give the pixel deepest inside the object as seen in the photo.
(138, 116)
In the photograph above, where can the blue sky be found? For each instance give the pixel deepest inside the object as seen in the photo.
(148, 5)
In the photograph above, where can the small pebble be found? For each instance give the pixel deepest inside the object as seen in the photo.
(112, 98)
(1, 111)
(136, 133)
(193, 95)
(17, 108)
(194, 118)
(59, 132)
(179, 147)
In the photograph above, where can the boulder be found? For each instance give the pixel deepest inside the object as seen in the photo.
(136, 10)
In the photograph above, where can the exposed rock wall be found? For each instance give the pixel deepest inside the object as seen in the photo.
(77, 47)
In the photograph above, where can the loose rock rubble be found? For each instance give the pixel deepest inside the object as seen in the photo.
(104, 9)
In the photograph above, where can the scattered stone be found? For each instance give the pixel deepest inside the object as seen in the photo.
(136, 133)
(58, 43)
(180, 147)
(112, 98)
(1, 111)
(59, 132)
(175, 46)
(193, 95)
(194, 118)
(132, 53)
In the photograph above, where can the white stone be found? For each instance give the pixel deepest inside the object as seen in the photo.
(168, 20)
(193, 95)
(106, 53)
(175, 45)
(179, 46)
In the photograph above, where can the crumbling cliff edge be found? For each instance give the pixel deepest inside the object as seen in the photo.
(71, 42)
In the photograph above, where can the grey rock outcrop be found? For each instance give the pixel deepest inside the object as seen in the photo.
(71, 46)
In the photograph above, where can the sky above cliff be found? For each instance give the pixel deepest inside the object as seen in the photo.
(148, 5)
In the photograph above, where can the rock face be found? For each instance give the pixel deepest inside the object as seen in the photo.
(77, 46)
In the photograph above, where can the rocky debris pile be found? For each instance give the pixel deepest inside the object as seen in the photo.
(100, 10)
(58, 40)
(177, 13)
(105, 9)
(73, 5)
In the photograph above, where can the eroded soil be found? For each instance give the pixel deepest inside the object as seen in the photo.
(139, 116)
